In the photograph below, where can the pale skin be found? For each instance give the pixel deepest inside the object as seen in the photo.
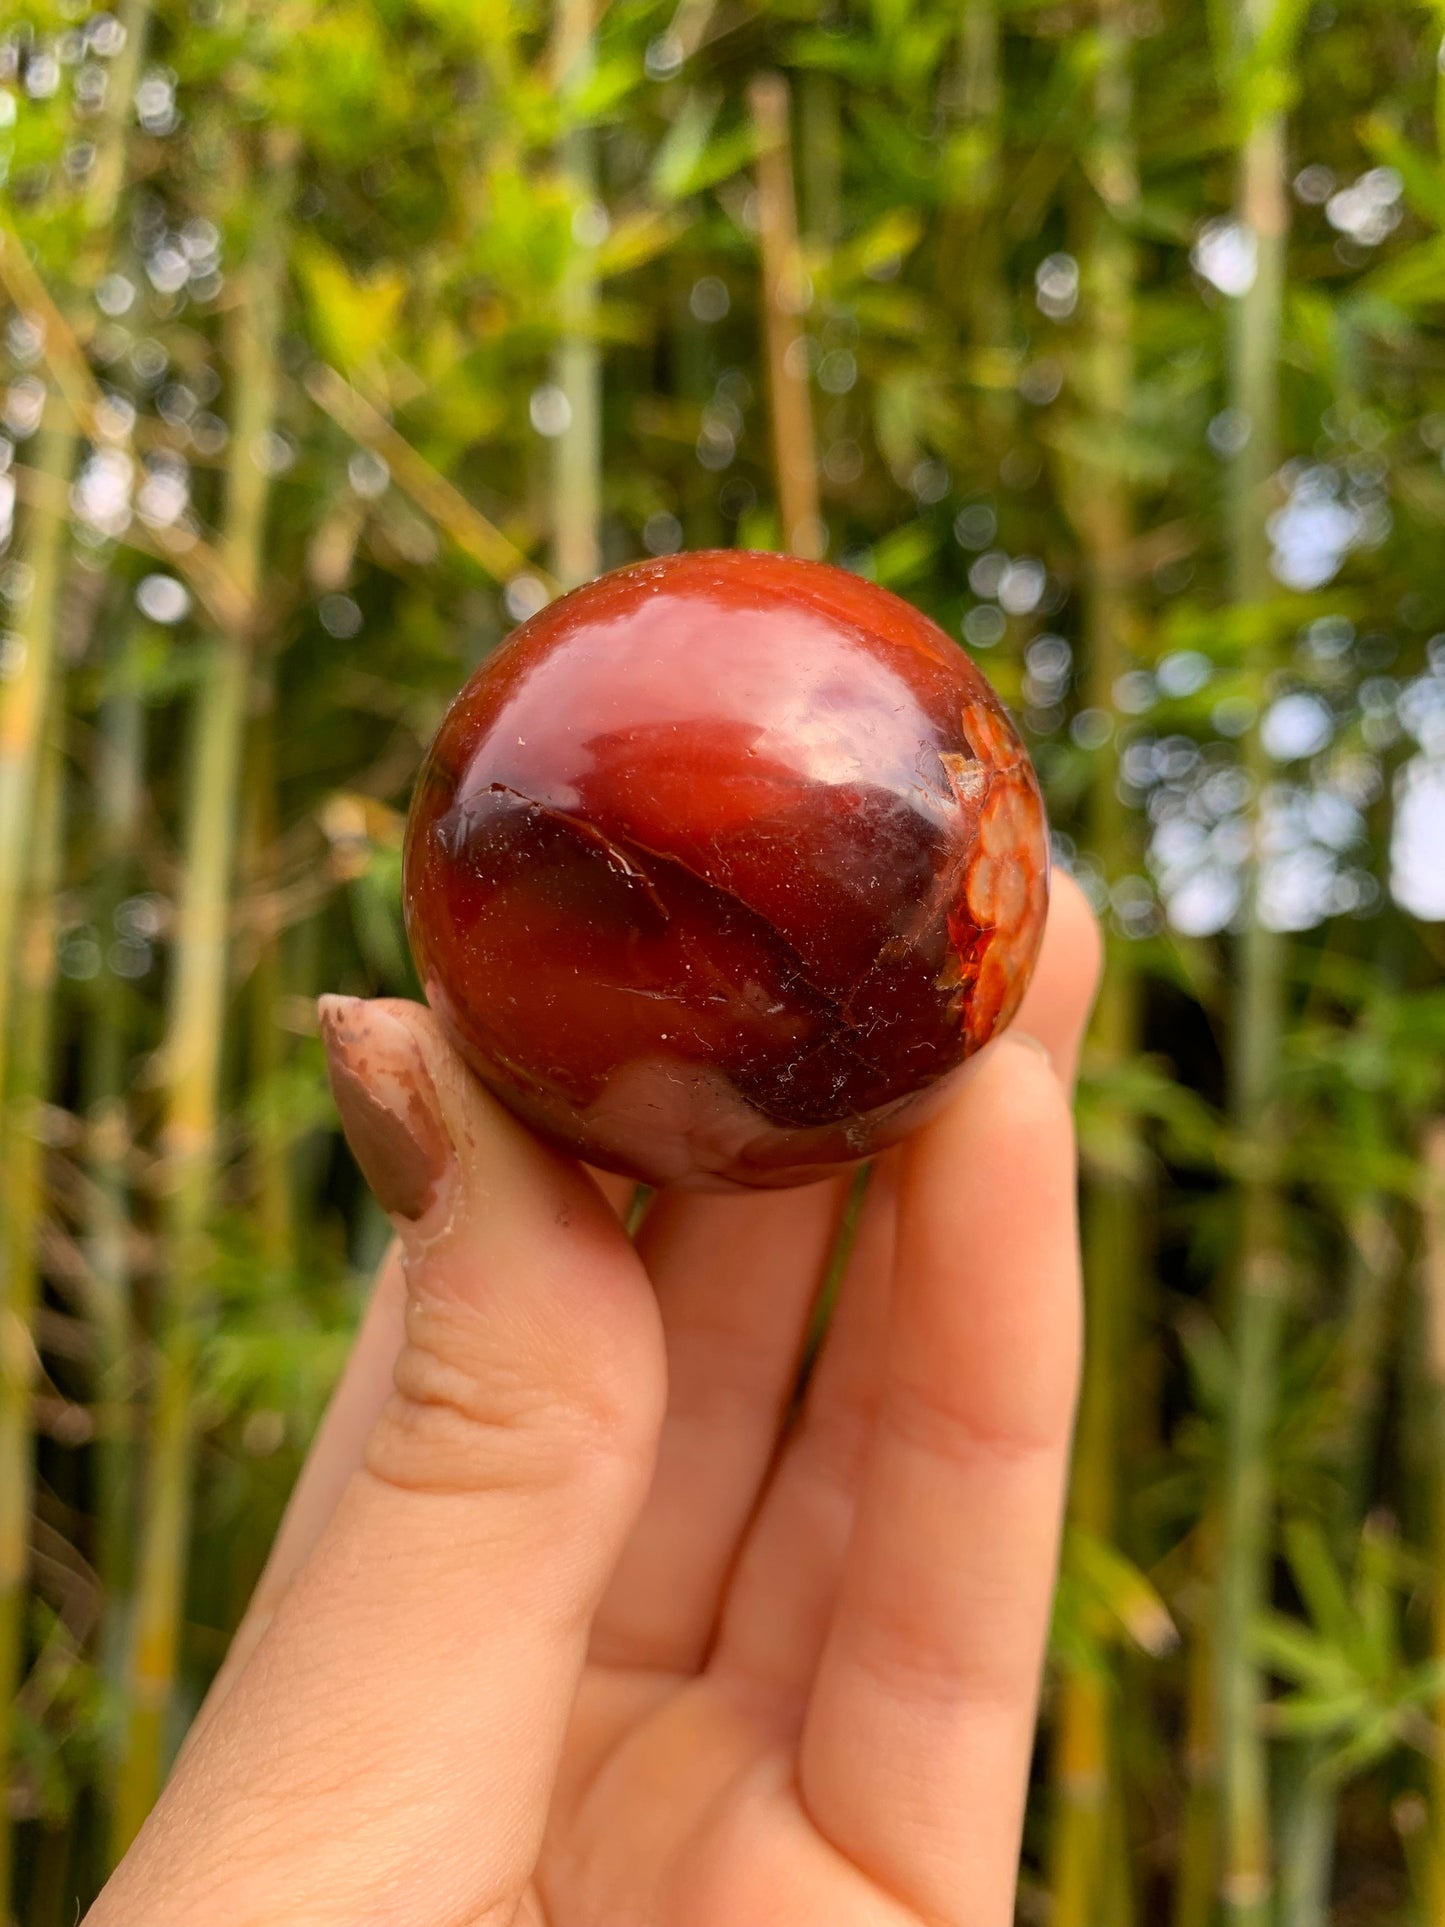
(574, 1621)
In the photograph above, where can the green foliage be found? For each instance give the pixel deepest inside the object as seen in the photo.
(1350, 1681)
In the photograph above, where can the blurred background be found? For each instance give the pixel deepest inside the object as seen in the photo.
(337, 334)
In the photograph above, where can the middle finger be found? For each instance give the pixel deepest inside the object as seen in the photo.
(736, 1279)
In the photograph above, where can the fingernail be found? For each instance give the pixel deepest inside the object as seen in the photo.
(388, 1105)
(1030, 1042)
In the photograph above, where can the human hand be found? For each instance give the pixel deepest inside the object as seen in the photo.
(573, 1620)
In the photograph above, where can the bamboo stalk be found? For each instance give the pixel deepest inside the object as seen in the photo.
(1432, 1270)
(1372, 1264)
(195, 1031)
(442, 500)
(1085, 1762)
(981, 104)
(1194, 1891)
(119, 784)
(31, 781)
(1307, 1831)
(982, 100)
(270, 1150)
(107, 171)
(821, 160)
(22, 1214)
(1259, 1016)
(26, 694)
(576, 364)
(90, 415)
(785, 296)
(972, 258)
(107, 1044)
(1086, 1795)
(26, 698)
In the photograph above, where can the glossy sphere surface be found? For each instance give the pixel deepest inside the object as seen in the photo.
(719, 869)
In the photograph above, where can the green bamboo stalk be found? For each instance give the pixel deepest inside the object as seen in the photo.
(119, 782)
(1259, 1016)
(795, 462)
(1194, 1889)
(26, 693)
(26, 779)
(26, 697)
(270, 1148)
(982, 102)
(107, 1044)
(981, 114)
(30, 808)
(108, 169)
(1084, 1754)
(1085, 1791)
(820, 213)
(973, 251)
(820, 158)
(1432, 1281)
(1307, 1830)
(1306, 1839)
(193, 1049)
(576, 366)
(22, 1212)
(1371, 1265)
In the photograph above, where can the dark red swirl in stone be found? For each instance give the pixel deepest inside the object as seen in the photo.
(721, 867)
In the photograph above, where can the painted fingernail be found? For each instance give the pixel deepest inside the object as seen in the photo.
(388, 1104)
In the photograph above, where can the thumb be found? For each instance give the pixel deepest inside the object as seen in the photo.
(394, 1738)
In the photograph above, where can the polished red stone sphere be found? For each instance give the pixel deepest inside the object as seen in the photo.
(721, 866)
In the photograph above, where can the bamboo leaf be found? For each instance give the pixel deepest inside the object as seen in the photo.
(353, 320)
(1320, 1582)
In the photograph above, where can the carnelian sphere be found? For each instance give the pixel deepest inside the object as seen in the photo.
(721, 866)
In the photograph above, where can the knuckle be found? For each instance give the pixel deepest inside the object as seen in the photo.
(835, 1439)
(959, 1432)
(466, 1416)
(723, 1373)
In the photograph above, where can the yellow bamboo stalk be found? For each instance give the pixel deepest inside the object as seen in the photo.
(26, 695)
(427, 487)
(974, 260)
(1196, 1884)
(175, 547)
(31, 778)
(118, 794)
(576, 364)
(108, 169)
(1086, 1801)
(22, 1210)
(195, 1031)
(1307, 1824)
(91, 415)
(270, 1150)
(785, 294)
(1246, 1871)
(1432, 1260)
(1085, 1757)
